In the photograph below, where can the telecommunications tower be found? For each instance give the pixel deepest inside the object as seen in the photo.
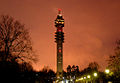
(59, 39)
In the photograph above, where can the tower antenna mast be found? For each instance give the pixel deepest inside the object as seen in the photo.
(59, 39)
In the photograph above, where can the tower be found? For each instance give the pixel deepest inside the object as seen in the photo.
(59, 39)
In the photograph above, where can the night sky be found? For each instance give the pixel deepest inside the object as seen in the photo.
(91, 29)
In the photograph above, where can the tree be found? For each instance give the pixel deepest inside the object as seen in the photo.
(114, 63)
(114, 60)
(73, 71)
(73, 68)
(46, 75)
(77, 71)
(15, 47)
(69, 68)
(77, 68)
(93, 66)
(15, 42)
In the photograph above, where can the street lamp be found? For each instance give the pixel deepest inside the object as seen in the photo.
(81, 78)
(94, 78)
(84, 77)
(95, 74)
(88, 76)
(107, 71)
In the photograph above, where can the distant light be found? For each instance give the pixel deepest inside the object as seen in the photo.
(107, 71)
(109, 82)
(60, 30)
(84, 77)
(60, 14)
(67, 81)
(59, 9)
(56, 80)
(88, 76)
(81, 78)
(71, 79)
(36, 74)
(60, 50)
(95, 74)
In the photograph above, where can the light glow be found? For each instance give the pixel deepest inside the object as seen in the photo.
(95, 74)
(107, 71)
(88, 76)
(84, 77)
(59, 50)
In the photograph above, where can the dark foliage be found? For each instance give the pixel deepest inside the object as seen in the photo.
(45, 76)
(15, 73)
(114, 62)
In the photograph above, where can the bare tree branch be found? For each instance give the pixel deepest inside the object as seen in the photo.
(15, 41)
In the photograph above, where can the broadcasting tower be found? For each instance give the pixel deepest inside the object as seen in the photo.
(59, 39)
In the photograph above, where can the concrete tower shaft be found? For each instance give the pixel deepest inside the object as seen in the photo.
(59, 39)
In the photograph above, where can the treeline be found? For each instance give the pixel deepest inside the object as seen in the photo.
(16, 73)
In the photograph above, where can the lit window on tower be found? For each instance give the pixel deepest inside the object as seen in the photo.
(59, 30)
(59, 50)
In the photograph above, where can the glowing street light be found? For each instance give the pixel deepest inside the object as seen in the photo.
(95, 74)
(88, 76)
(107, 71)
(84, 77)
(81, 78)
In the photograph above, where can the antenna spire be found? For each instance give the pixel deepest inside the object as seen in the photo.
(59, 11)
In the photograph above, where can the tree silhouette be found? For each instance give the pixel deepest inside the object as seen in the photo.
(73, 68)
(15, 52)
(94, 66)
(46, 75)
(69, 68)
(114, 60)
(15, 42)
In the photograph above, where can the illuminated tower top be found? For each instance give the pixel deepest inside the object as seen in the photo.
(59, 22)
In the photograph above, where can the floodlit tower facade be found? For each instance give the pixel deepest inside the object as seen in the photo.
(59, 39)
